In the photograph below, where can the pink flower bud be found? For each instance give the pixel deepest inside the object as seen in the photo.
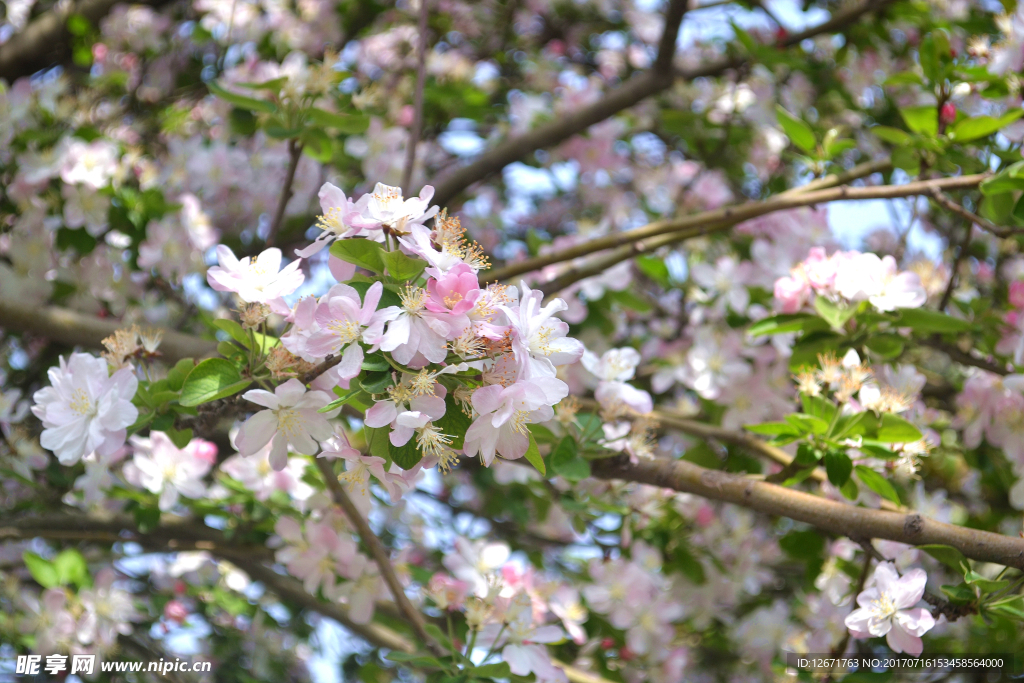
(175, 611)
(947, 114)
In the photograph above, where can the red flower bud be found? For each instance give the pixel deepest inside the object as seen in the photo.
(947, 114)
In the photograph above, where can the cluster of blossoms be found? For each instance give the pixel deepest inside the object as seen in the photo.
(86, 622)
(991, 408)
(849, 276)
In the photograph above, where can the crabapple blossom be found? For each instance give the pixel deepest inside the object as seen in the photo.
(335, 221)
(343, 320)
(386, 208)
(539, 340)
(504, 413)
(89, 163)
(255, 280)
(161, 467)
(291, 421)
(474, 561)
(415, 335)
(886, 608)
(85, 408)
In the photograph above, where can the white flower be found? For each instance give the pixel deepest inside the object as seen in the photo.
(255, 281)
(161, 467)
(474, 561)
(387, 208)
(86, 409)
(90, 163)
(885, 609)
(539, 340)
(415, 335)
(615, 365)
(524, 651)
(865, 276)
(335, 221)
(291, 420)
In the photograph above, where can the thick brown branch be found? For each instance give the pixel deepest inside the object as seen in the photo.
(653, 236)
(831, 516)
(78, 329)
(379, 554)
(625, 96)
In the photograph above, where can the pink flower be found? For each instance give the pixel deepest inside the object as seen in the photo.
(387, 208)
(885, 609)
(343, 321)
(335, 222)
(447, 593)
(505, 412)
(91, 163)
(865, 276)
(255, 281)
(1017, 293)
(161, 467)
(539, 339)
(791, 293)
(291, 421)
(407, 410)
(455, 292)
(415, 336)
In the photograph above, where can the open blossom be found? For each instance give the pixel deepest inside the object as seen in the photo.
(614, 368)
(505, 412)
(887, 609)
(523, 649)
(335, 221)
(415, 335)
(291, 420)
(161, 467)
(386, 208)
(259, 280)
(865, 276)
(86, 408)
(539, 339)
(343, 321)
(474, 561)
(90, 163)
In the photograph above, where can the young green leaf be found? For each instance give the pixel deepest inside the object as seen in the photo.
(212, 379)
(534, 457)
(796, 130)
(877, 483)
(361, 252)
(894, 429)
(838, 466)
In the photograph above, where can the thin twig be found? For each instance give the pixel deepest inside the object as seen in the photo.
(417, 120)
(380, 556)
(961, 254)
(950, 204)
(294, 154)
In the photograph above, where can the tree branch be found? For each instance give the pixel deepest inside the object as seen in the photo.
(623, 97)
(653, 236)
(831, 516)
(46, 41)
(379, 554)
(972, 218)
(78, 329)
(417, 122)
(294, 155)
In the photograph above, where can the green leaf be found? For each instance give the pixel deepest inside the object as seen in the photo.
(401, 267)
(241, 101)
(803, 545)
(904, 78)
(947, 555)
(787, 322)
(212, 379)
(877, 483)
(774, 429)
(982, 126)
(1012, 608)
(928, 321)
(42, 570)
(343, 123)
(415, 659)
(455, 423)
(906, 159)
(71, 568)
(894, 136)
(850, 490)
(984, 584)
(653, 267)
(838, 466)
(534, 457)
(886, 345)
(894, 429)
(923, 120)
(179, 437)
(234, 330)
(850, 425)
(499, 670)
(960, 593)
(377, 442)
(818, 407)
(807, 424)
(406, 456)
(565, 461)
(346, 395)
(796, 130)
(375, 362)
(834, 314)
(361, 252)
(176, 375)
(376, 382)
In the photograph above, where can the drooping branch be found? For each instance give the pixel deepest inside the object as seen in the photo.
(78, 329)
(379, 554)
(831, 516)
(627, 95)
(651, 237)
(952, 206)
